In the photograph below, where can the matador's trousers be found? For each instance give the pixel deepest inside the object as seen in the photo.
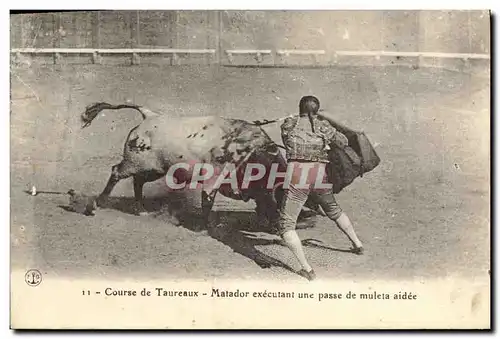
(296, 195)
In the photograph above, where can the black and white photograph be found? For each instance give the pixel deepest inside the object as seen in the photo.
(278, 146)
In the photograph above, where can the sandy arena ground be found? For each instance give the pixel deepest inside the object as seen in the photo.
(424, 212)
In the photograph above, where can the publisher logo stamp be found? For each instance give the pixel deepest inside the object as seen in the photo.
(33, 277)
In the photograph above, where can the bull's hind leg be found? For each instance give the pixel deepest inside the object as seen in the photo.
(118, 172)
(139, 181)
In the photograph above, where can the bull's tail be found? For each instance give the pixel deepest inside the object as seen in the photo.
(93, 110)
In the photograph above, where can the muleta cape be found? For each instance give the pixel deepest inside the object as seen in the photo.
(350, 162)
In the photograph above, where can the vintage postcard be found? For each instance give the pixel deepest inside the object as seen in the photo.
(250, 169)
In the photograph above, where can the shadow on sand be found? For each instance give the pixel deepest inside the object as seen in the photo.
(242, 231)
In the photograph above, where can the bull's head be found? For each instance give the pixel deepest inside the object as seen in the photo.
(250, 149)
(249, 146)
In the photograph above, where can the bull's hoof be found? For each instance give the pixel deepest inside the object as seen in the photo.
(175, 221)
(139, 210)
(101, 202)
(358, 250)
(172, 219)
(311, 275)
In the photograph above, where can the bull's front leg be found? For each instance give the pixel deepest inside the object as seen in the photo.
(139, 182)
(207, 202)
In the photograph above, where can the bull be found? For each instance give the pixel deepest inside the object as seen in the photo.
(161, 141)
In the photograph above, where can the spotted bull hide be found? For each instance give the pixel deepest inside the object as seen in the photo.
(162, 140)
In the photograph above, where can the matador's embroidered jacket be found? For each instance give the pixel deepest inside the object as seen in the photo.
(303, 144)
